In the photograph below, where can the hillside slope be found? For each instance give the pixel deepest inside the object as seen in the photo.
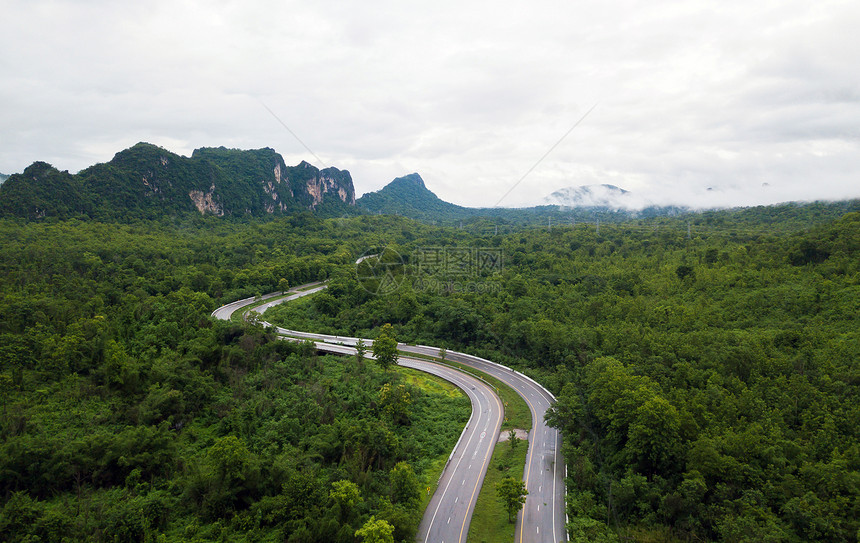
(147, 181)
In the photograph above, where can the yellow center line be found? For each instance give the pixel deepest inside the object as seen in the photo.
(483, 466)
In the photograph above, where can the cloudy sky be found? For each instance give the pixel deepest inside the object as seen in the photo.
(758, 101)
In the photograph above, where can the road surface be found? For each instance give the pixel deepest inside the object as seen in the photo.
(542, 519)
(449, 512)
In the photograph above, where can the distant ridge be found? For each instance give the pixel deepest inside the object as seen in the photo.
(409, 196)
(607, 196)
(147, 181)
(3, 177)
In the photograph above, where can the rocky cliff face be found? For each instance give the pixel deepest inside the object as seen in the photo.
(146, 180)
(330, 181)
(284, 188)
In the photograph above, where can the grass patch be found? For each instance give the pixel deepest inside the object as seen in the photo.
(430, 383)
(309, 287)
(454, 414)
(430, 480)
(490, 520)
(300, 314)
(517, 412)
(239, 314)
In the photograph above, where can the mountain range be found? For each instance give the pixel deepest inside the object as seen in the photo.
(409, 196)
(147, 181)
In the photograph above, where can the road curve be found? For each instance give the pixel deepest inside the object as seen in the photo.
(449, 512)
(543, 517)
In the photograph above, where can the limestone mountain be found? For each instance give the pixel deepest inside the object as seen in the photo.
(146, 181)
(3, 177)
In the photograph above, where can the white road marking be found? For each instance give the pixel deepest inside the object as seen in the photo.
(493, 369)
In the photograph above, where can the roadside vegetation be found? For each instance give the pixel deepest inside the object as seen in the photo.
(490, 521)
(706, 369)
(129, 415)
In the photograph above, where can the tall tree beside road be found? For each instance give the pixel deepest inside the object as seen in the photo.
(512, 493)
(385, 347)
(360, 351)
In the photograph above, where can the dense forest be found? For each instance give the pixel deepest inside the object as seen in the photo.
(706, 368)
(130, 415)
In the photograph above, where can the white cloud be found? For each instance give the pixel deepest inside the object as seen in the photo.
(690, 96)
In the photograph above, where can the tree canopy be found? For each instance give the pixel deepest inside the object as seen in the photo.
(512, 493)
(385, 347)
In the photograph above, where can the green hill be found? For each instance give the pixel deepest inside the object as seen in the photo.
(146, 181)
(408, 196)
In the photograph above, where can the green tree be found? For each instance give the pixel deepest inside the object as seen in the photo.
(376, 531)
(405, 487)
(385, 347)
(653, 437)
(512, 493)
(347, 495)
(512, 437)
(395, 400)
(360, 350)
(228, 457)
(231, 470)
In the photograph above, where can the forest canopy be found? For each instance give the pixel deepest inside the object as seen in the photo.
(706, 369)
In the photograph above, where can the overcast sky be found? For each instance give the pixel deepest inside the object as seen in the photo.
(758, 101)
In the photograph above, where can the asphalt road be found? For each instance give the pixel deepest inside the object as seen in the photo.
(542, 519)
(226, 311)
(449, 512)
(447, 516)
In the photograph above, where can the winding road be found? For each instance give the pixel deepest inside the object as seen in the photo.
(447, 517)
